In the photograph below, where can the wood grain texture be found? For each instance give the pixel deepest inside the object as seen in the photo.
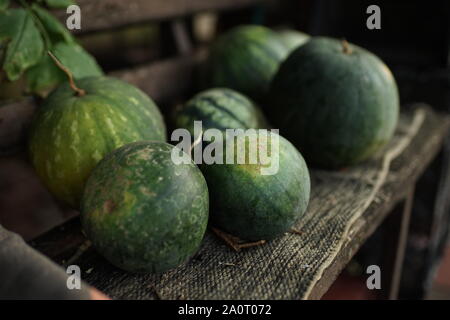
(15, 119)
(345, 209)
(106, 14)
(162, 80)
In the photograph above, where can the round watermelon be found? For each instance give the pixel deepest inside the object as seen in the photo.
(71, 133)
(245, 59)
(220, 108)
(292, 39)
(337, 102)
(143, 212)
(258, 200)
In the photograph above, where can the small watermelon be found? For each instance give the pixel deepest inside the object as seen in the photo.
(219, 108)
(293, 39)
(250, 203)
(72, 133)
(143, 212)
(245, 59)
(338, 103)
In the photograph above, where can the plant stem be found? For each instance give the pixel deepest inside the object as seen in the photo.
(78, 91)
(346, 47)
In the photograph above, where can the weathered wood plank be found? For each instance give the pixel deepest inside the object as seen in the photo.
(15, 118)
(161, 80)
(164, 79)
(404, 172)
(345, 209)
(106, 14)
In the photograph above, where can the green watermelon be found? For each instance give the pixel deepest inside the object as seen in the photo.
(245, 59)
(249, 203)
(71, 134)
(142, 212)
(292, 39)
(338, 103)
(219, 108)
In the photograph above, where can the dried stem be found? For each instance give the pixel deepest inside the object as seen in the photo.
(225, 237)
(235, 242)
(78, 91)
(80, 251)
(346, 47)
(295, 231)
(251, 244)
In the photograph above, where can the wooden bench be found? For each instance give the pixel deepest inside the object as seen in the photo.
(346, 206)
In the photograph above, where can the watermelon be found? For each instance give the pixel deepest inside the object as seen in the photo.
(142, 212)
(72, 133)
(219, 108)
(292, 39)
(250, 203)
(337, 102)
(245, 59)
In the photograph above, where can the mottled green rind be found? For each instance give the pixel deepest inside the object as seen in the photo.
(71, 134)
(220, 108)
(245, 59)
(337, 108)
(141, 211)
(292, 39)
(253, 206)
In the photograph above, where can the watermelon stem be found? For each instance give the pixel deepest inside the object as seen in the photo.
(78, 91)
(346, 47)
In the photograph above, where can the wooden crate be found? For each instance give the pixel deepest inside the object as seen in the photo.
(346, 206)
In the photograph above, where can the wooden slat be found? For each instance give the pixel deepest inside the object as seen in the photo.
(167, 79)
(405, 171)
(15, 118)
(274, 270)
(162, 80)
(105, 14)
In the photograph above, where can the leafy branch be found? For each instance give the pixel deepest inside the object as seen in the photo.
(27, 32)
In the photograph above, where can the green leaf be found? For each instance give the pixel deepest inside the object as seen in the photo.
(4, 4)
(55, 29)
(23, 40)
(43, 77)
(77, 60)
(59, 3)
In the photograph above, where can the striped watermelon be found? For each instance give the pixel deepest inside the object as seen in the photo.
(143, 212)
(71, 134)
(245, 59)
(220, 108)
(251, 204)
